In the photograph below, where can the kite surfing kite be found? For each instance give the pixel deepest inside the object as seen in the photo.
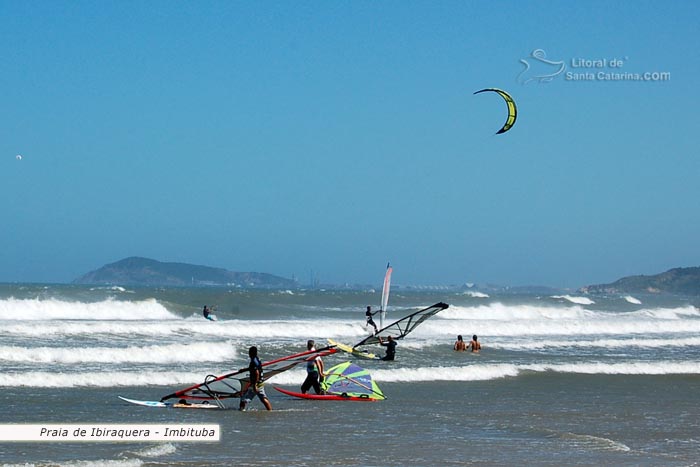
(512, 110)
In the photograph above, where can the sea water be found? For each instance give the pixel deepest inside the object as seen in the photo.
(561, 380)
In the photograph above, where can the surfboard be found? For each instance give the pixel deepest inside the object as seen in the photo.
(169, 405)
(324, 397)
(355, 352)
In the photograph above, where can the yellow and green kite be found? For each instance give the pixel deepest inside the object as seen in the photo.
(512, 110)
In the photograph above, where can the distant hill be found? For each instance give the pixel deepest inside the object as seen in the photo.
(149, 272)
(680, 281)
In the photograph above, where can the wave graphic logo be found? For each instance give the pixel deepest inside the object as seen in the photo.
(540, 69)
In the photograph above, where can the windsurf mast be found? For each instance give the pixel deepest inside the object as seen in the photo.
(401, 328)
(385, 295)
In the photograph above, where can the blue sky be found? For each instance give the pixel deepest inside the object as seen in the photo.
(333, 137)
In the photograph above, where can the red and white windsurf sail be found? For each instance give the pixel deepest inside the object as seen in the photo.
(385, 294)
(216, 388)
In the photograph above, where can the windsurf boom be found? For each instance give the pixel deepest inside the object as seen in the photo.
(217, 388)
(402, 327)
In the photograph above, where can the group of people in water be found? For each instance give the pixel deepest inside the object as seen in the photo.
(315, 370)
(461, 346)
(314, 377)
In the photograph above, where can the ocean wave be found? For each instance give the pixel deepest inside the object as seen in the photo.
(440, 328)
(252, 329)
(502, 312)
(611, 325)
(594, 442)
(495, 371)
(181, 353)
(477, 372)
(473, 294)
(631, 299)
(600, 343)
(45, 379)
(157, 451)
(577, 300)
(90, 463)
(12, 309)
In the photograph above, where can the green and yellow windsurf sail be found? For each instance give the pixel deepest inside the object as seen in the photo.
(349, 380)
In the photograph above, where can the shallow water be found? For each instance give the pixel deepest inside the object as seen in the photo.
(562, 380)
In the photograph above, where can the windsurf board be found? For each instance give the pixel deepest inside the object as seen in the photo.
(176, 405)
(355, 352)
(324, 397)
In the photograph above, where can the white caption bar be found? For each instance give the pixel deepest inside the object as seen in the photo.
(108, 432)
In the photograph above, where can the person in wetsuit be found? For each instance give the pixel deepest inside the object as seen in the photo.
(314, 372)
(390, 348)
(255, 388)
(368, 315)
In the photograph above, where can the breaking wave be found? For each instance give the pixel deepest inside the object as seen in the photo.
(13, 309)
(478, 372)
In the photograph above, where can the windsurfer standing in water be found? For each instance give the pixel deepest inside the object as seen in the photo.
(368, 315)
(255, 388)
(314, 372)
(390, 348)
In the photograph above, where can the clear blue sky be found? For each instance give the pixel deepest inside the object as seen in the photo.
(336, 136)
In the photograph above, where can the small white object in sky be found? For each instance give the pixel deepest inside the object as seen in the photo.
(18, 157)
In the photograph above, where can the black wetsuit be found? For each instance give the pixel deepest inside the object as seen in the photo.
(370, 321)
(390, 350)
(312, 378)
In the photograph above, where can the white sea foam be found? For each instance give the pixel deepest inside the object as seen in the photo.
(577, 300)
(503, 312)
(43, 379)
(222, 329)
(476, 372)
(13, 309)
(497, 319)
(596, 442)
(632, 300)
(599, 343)
(90, 463)
(157, 451)
(114, 288)
(494, 371)
(181, 353)
(472, 294)
(492, 320)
